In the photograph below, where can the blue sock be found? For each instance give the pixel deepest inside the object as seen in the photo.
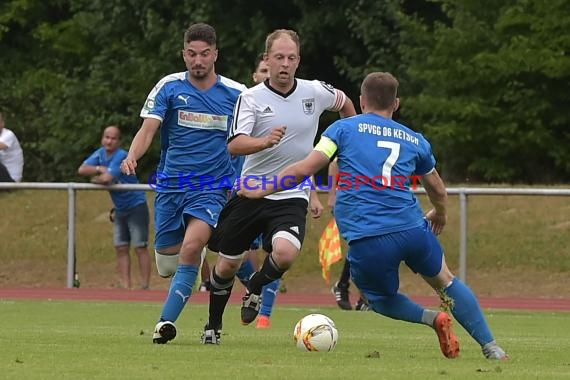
(180, 291)
(399, 307)
(467, 311)
(268, 297)
(245, 271)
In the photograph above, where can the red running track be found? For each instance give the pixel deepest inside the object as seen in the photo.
(301, 299)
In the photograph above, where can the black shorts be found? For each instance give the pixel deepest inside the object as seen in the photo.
(244, 219)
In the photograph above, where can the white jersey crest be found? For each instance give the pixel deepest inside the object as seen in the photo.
(260, 109)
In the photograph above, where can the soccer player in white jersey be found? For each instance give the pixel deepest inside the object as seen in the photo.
(382, 221)
(275, 124)
(249, 264)
(194, 111)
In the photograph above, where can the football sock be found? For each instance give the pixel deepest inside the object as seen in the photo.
(269, 293)
(269, 272)
(220, 291)
(467, 311)
(180, 291)
(245, 271)
(399, 307)
(345, 274)
(428, 317)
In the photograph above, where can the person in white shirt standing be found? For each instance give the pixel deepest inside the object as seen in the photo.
(275, 124)
(11, 155)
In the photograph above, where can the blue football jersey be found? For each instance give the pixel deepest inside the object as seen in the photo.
(379, 161)
(123, 200)
(194, 132)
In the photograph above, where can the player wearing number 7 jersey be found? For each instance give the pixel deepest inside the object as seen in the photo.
(385, 225)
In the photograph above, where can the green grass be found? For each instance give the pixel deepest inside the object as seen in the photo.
(112, 340)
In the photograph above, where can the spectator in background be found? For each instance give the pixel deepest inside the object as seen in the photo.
(131, 216)
(11, 155)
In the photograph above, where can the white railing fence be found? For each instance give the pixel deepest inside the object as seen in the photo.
(462, 192)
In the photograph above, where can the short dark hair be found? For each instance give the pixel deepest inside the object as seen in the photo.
(200, 32)
(380, 90)
(258, 59)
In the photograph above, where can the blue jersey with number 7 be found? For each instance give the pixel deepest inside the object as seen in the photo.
(380, 162)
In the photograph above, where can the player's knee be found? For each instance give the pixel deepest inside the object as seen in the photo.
(191, 249)
(226, 267)
(284, 259)
(166, 264)
(286, 248)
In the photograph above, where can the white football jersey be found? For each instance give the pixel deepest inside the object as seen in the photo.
(261, 109)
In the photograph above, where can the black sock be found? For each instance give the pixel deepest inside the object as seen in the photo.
(345, 275)
(220, 292)
(269, 272)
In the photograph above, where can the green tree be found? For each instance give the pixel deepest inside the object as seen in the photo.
(77, 66)
(493, 95)
(484, 80)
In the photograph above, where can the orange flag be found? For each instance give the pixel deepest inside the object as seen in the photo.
(330, 250)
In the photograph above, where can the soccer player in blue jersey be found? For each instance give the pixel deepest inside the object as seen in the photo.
(193, 110)
(131, 216)
(379, 159)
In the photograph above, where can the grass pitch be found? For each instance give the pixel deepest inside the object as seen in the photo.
(112, 340)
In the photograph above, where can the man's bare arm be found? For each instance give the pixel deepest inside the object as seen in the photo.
(140, 145)
(437, 194)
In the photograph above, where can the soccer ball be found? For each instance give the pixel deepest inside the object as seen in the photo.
(315, 332)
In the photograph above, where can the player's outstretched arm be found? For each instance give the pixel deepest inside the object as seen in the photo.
(437, 194)
(140, 145)
(289, 178)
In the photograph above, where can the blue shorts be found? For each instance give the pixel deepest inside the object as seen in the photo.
(131, 226)
(375, 261)
(172, 211)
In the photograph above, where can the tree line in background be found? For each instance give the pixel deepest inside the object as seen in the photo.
(485, 80)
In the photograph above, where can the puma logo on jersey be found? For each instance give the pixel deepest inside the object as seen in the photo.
(184, 99)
